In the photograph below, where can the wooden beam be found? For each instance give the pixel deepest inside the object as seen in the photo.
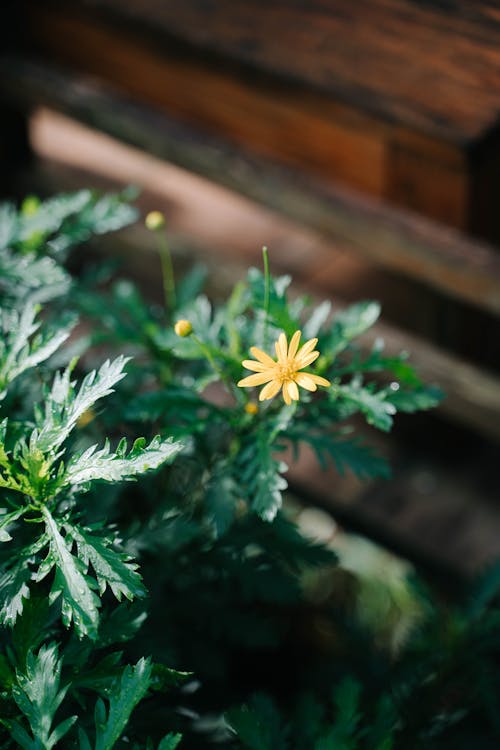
(440, 257)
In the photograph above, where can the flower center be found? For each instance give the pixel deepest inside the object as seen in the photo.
(287, 371)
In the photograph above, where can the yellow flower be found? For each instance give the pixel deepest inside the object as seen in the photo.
(183, 328)
(283, 374)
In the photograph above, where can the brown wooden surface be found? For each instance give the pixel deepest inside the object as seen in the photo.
(332, 131)
(437, 256)
(431, 66)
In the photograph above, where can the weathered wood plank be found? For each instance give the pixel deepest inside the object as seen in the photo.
(440, 257)
(218, 100)
(432, 66)
(394, 98)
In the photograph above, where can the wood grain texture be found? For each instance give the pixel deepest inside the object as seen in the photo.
(291, 122)
(440, 257)
(433, 66)
(295, 128)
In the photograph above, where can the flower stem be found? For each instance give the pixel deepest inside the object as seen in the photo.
(265, 259)
(167, 271)
(210, 358)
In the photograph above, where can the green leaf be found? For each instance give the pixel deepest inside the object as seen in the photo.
(48, 216)
(65, 404)
(261, 475)
(125, 694)
(374, 405)
(346, 453)
(30, 628)
(8, 225)
(121, 624)
(258, 725)
(20, 349)
(426, 397)
(38, 695)
(311, 329)
(112, 567)
(221, 498)
(40, 279)
(102, 464)
(14, 589)
(170, 741)
(7, 519)
(348, 325)
(79, 602)
(68, 219)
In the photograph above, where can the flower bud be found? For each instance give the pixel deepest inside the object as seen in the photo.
(251, 408)
(183, 328)
(154, 221)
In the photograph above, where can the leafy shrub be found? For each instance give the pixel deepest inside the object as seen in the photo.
(151, 585)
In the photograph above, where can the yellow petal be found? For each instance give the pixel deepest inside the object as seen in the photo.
(262, 356)
(290, 391)
(293, 390)
(316, 378)
(294, 345)
(281, 348)
(305, 381)
(258, 379)
(286, 395)
(307, 347)
(251, 364)
(270, 390)
(301, 362)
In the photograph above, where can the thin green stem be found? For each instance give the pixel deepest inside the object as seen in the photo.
(267, 277)
(210, 358)
(167, 270)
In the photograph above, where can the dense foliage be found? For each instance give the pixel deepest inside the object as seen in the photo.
(152, 589)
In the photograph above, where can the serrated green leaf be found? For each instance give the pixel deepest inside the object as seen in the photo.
(262, 475)
(79, 602)
(126, 693)
(112, 567)
(426, 397)
(38, 695)
(14, 589)
(102, 464)
(9, 518)
(65, 404)
(20, 348)
(346, 453)
(377, 409)
(23, 276)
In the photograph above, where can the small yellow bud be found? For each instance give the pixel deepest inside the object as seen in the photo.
(155, 220)
(30, 205)
(183, 328)
(86, 418)
(251, 408)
